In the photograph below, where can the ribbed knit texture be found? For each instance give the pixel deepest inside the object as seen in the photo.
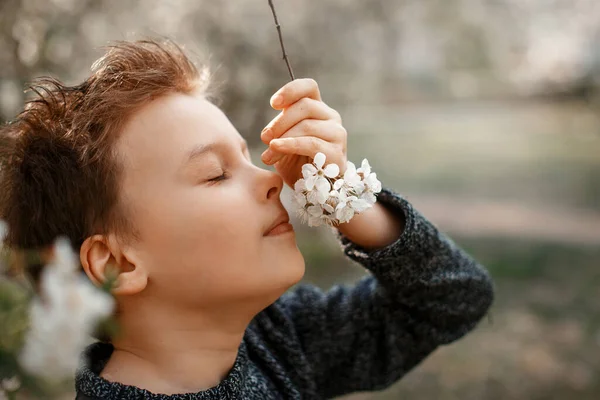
(422, 292)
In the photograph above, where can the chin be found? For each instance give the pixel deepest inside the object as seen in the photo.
(291, 274)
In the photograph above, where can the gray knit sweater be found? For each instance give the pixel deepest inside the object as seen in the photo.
(423, 292)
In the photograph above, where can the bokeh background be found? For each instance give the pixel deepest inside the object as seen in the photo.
(485, 114)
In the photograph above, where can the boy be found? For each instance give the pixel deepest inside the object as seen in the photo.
(141, 171)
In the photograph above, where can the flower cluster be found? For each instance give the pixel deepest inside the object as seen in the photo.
(62, 317)
(322, 196)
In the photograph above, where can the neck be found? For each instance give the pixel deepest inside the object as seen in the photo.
(173, 351)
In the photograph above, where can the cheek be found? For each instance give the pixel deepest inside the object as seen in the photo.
(207, 230)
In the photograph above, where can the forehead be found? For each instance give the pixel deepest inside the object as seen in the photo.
(169, 126)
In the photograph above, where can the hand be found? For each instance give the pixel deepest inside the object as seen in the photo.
(304, 127)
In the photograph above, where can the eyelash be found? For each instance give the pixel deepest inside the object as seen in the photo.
(225, 175)
(219, 178)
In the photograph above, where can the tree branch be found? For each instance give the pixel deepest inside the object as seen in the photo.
(285, 57)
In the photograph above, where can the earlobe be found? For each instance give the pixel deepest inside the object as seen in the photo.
(102, 258)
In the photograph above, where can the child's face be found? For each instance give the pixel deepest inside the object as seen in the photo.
(202, 242)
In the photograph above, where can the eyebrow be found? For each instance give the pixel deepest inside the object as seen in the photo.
(203, 149)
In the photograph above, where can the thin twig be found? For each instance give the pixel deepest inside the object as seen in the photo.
(285, 57)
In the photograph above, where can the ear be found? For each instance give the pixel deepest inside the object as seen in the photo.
(102, 256)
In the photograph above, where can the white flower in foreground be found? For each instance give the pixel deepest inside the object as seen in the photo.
(315, 178)
(370, 179)
(310, 170)
(352, 179)
(322, 197)
(63, 317)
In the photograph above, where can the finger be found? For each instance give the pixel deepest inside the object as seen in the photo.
(303, 109)
(294, 91)
(328, 130)
(304, 146)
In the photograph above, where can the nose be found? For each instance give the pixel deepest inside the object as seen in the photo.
(269, 184)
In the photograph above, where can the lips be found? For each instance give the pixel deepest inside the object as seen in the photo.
(282, 218)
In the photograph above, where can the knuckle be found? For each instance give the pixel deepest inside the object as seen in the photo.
(305, 104)
(309, 126)
(314, 144)
(338, 130)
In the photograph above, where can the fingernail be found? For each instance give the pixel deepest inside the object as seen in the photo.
(277, 99)
(267, 134)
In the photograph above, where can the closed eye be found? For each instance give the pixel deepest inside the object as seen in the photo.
(219, 178)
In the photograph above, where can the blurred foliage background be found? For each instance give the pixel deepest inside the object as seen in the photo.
(485, 114)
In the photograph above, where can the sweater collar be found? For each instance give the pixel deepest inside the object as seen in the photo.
(89, 382)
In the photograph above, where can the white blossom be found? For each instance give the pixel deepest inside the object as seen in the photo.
(324, 197)
(365, 168)
(63, 317)
(315, 215)
(352, 179)
(373, 183)
(315, 176)
(344, 213)
(368, 196)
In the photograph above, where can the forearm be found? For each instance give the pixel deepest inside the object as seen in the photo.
(425, 271)
(375, 228)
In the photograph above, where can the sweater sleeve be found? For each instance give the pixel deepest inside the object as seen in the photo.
(423, 291)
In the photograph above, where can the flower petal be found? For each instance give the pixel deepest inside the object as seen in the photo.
(328, 208)
(310, 182)
(300, 185)
(332, 171)
(350, 167)
(319, 160)
(313, 197)
(322, 197)
(344, 214)
(369, 197)
(303, 215)
(360, 205)
(308, 170)
(373, 183)
(322, 185)
(365, 167)
(337, 185)
(315, 211)
(300, 200)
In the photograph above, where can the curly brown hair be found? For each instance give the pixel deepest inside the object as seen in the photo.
(59, 171)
